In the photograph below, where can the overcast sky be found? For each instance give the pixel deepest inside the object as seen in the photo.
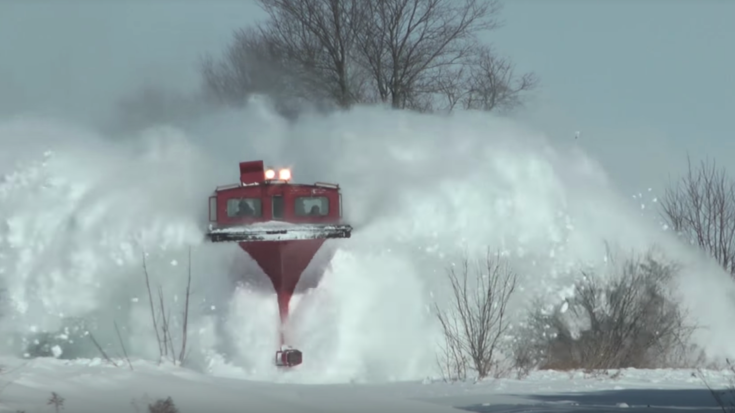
(644, 81)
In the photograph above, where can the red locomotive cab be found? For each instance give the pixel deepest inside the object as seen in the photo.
(281, 225)
(263, 209)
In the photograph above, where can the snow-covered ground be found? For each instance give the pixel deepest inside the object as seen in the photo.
(78, 211)
(93, 386)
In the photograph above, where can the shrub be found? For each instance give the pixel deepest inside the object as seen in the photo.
(626, 319)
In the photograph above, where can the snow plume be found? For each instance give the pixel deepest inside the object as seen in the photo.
(77, 214)
(78, 209)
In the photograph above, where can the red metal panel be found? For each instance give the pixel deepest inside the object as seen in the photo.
(284, 262)
(252, 172)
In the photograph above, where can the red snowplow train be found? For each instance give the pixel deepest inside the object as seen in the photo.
(281, 225)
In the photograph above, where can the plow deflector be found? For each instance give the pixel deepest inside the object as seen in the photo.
(254, 233)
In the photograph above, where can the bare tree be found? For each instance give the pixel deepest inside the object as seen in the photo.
(701, 209)
(409, 53)
(492, 83)
(250, 66)
(303, 51)
(316, 38)
(56, 401)
(408, 44)
(485, 81)
(477, 319)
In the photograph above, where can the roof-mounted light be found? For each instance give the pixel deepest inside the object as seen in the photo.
(284, 174)
(270, 174)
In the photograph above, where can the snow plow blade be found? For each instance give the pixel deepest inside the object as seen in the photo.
(288, 358)
(256, 232)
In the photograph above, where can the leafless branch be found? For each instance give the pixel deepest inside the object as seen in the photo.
(101, 350)
(250, 66)
(165, 327)
(701, 209)
(408, 42)
(492, 83)
(317, 37)
(161, 347)
(122, 345)
(407, 53)
(303, 51)
(724, 399)
(56, 401)
(478, 319)
(165, 336)
(182, 353)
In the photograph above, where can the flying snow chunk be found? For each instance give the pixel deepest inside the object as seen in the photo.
(174, 263)
(56, 351)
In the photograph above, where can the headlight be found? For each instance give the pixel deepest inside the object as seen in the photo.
(284, 174)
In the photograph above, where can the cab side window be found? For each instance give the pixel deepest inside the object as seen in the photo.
(244, 207)
(312, 206)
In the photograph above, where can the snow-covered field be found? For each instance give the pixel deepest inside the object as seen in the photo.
(78, 211)
(95, 386)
